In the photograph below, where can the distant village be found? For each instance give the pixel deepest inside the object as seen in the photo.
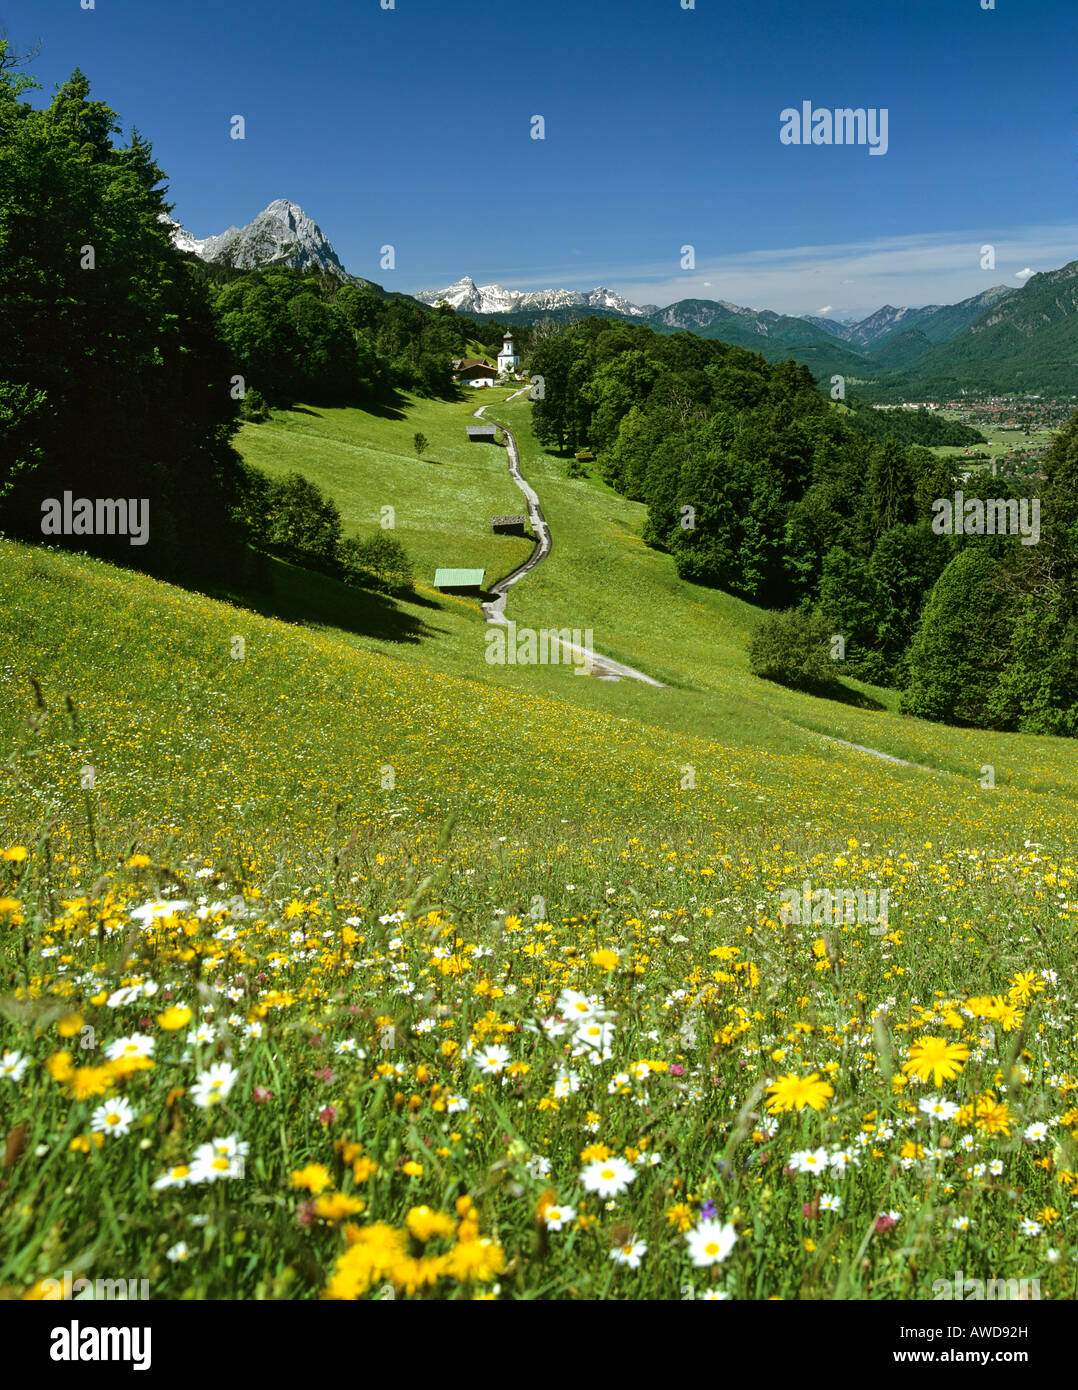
(1025, 414)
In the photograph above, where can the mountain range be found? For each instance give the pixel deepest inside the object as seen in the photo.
(1002, 339)
(469, 298)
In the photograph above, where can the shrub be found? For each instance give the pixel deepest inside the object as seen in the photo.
(379, 562)
(303, 525)
(793, 648)
(253, 407)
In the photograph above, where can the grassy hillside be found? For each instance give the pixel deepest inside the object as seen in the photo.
(443, 501)
(314, 918)
(601, 576)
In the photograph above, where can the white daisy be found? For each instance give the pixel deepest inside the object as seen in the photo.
(208, 1164)
(608, 1176)
(127, 994)
(710, 1242)
(145, 914)
(938, 1108)
(594, 1035)
(630, 1254)
(556, 1218)
(13, 1064)
(214, 1085)
(137, 1045)
(177, 1176)
(113, 1117)
(491, 1061)
(809, 1161)
(579, 1008)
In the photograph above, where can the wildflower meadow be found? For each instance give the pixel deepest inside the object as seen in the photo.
(438, 1056)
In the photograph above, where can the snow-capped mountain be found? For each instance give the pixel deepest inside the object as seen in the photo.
(469, 298)
(181, 238)
(281, 234)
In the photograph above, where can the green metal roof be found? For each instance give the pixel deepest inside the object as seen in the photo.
(458, 578)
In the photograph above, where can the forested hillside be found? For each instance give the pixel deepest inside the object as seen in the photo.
(756, 484)
(128, 364)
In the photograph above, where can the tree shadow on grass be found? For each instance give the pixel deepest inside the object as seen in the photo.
(386, 410)
(831, 690)
(417, 600)
(296, 595)
(843, 694)
(393, 407)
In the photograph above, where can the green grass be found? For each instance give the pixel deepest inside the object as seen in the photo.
(380, 830)
(442, 502)
(999, 443)
(601, 576)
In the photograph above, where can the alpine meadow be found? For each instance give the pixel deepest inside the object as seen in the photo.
(515, 793)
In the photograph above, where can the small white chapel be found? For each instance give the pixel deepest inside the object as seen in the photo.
(508, 361)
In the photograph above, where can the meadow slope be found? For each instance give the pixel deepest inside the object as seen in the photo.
(356, 966)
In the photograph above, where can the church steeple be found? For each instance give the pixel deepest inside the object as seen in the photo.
(508, 361)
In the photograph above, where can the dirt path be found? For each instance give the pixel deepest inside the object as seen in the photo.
(875, 753)
(603, 667)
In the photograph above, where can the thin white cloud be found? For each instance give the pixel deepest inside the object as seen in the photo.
(913, 270)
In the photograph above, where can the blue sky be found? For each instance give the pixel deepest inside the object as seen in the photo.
(411, 126)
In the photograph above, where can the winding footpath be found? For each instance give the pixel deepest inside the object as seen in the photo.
(603, 667)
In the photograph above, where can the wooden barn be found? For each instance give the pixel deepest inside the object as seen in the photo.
(508, 525)
(482, 434)
(449, 581)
